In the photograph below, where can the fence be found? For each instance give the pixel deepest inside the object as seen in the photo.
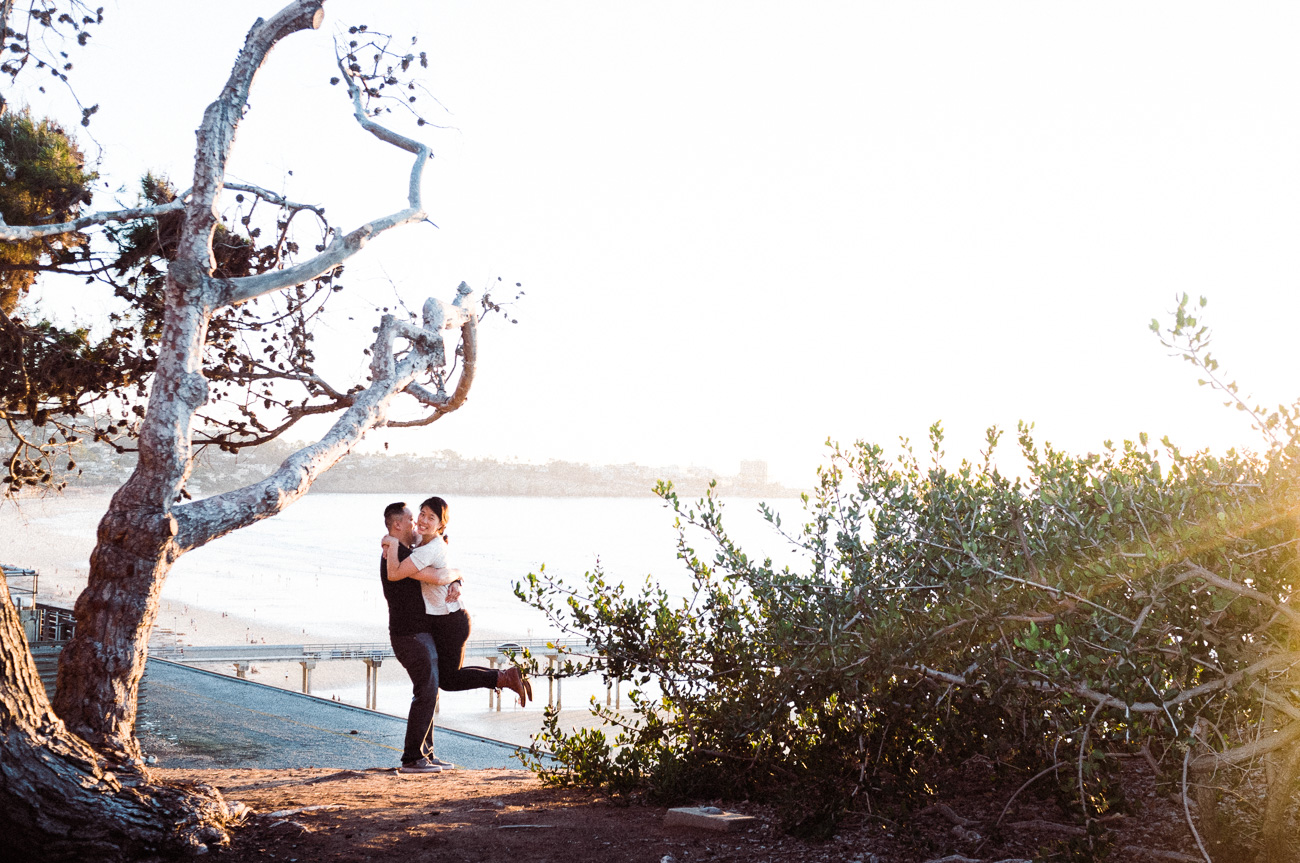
(15, 590)
(43, 623)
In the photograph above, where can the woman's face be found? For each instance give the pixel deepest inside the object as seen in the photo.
(428, 523)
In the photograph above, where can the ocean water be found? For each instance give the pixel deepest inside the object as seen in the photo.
(315, 565)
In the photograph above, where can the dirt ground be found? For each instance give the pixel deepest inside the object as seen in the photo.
(506, 815)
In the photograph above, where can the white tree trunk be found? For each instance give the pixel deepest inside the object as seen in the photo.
(57, 793)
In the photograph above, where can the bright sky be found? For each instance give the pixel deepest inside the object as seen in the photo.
(744, 227)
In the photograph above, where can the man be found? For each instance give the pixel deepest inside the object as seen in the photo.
(414, 647)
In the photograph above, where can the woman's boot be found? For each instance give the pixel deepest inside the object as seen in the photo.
(510, 678)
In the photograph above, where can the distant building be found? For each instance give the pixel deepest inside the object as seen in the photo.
(753, 472)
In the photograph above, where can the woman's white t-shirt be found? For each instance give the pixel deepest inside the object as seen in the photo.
(434, 554)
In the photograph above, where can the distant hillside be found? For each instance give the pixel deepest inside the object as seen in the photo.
(446, 473)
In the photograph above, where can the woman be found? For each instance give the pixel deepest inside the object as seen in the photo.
(449, 622)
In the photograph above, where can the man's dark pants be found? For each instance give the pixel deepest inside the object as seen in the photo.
(419, 657)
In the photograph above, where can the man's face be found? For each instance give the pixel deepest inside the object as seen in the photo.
(403, 526)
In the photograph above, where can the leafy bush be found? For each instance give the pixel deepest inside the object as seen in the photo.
(42, 178)
(1134, 599)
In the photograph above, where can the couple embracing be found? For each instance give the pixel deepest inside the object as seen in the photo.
(428, 625)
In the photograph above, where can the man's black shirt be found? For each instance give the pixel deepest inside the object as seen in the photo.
(405, 601)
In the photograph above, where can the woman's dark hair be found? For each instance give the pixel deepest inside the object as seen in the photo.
(439, 508)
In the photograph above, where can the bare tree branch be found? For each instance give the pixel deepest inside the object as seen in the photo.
(205, 520)
(1200, 572)
(216, 134)
(235, 291)
(1263, 745)
(1268, 663)
(272, 198)
(469, 363)
(18, 233)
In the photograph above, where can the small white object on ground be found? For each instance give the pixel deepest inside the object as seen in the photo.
(707, 817)
(285, 813)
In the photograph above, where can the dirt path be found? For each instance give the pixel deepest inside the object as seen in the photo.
(506, 815)
(497, 815)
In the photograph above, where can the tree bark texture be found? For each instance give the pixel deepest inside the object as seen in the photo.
(1282, 773)
(58, 798)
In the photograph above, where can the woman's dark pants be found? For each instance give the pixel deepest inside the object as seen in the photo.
(450, 632)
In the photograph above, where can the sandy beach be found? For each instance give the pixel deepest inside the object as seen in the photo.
(55, 535)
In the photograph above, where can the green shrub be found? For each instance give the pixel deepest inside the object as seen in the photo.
(1135, 597)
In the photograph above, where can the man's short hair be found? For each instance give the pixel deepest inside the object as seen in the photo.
(392, 511)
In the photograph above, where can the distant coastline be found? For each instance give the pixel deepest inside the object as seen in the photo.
(450, 473)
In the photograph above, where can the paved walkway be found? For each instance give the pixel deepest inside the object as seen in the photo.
(194, 718)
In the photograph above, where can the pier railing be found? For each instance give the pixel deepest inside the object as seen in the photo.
(349, 650)
(373, 654)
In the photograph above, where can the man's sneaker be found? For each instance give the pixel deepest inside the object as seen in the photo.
(424, 765)
(445, 765)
